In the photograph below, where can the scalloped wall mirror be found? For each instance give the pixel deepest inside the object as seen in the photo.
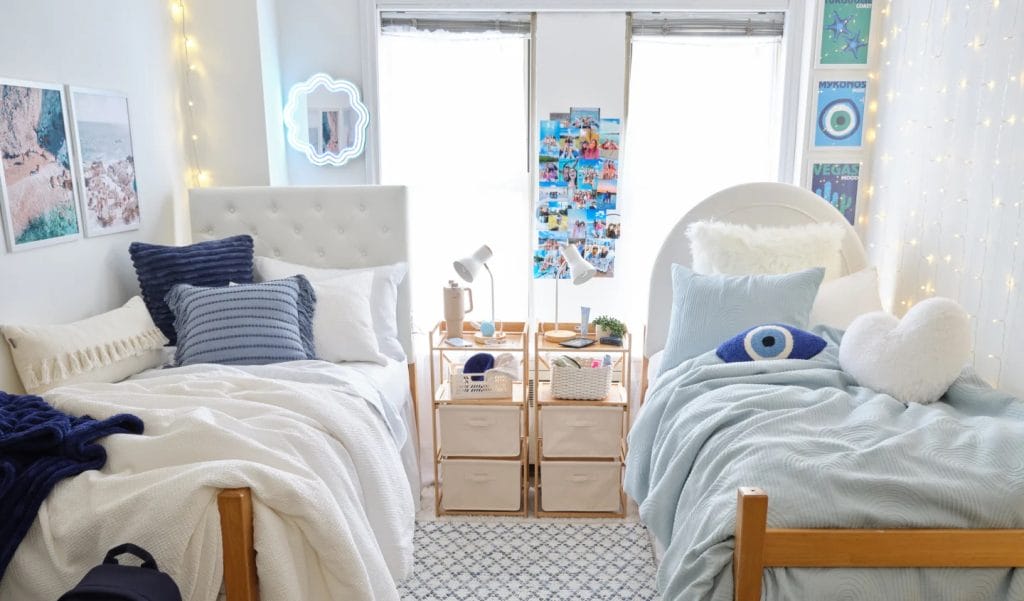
(326, 120)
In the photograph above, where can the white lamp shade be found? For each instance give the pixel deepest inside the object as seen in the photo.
(468, 267)
(580, 270)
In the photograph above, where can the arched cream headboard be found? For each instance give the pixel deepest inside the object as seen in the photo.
(755, 204)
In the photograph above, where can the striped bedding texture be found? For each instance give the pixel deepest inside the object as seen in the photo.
(830, 454)
(246, 324)
(212, 263)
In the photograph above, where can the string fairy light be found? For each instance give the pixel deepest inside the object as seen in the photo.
(198, 176)
(958, 212)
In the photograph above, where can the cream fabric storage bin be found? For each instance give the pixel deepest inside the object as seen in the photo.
(581, 431)
(580, 485)
(480, 431)
(481, 484)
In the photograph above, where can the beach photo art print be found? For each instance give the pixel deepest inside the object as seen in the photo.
(106, 161)
(37, 187)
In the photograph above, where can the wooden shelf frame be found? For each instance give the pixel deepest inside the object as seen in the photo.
(758, 547)
(619, 396)
(517, 342)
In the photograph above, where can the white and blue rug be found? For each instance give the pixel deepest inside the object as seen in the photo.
(530, 559)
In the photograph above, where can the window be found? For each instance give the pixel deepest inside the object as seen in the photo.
(454, 129)
(703, 115)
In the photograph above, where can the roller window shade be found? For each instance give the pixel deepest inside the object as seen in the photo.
(463, 22)
(667, 24)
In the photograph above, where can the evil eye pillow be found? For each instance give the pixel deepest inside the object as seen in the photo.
(770, 341)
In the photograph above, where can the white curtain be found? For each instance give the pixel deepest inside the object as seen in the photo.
(702, 116)
(454, 130)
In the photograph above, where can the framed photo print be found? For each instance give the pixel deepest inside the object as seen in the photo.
(105, 161)
(838, 183)
(839, 115)
(37, 187)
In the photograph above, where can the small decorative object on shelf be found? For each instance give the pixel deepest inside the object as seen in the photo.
(581, 422)
(607, 327)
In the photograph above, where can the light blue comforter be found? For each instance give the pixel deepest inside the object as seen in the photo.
(830, 454)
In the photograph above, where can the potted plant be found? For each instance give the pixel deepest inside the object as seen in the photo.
(608, 326)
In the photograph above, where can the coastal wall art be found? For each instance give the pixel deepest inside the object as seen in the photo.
(37, 188)
(105, 161)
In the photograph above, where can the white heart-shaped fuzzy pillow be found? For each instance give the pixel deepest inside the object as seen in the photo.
(915, 359)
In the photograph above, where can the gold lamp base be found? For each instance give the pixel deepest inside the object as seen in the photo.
(560, 335)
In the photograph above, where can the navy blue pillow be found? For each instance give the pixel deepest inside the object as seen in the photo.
(770, 341)
(212, 263)
(247, 324)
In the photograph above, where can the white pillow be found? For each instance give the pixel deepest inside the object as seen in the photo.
(383, 296)
(842, 300)
(343, 322)
(105, 348)
(736, 249)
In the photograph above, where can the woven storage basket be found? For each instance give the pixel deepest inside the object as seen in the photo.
(493, 385)
(580, 383)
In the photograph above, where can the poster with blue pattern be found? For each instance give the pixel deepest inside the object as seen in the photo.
(845, 32)
(840, 114)
(837, 183)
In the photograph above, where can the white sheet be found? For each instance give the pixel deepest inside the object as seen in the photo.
(333, 516)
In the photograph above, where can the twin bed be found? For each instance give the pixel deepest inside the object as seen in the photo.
(320, 456)
(857, 480)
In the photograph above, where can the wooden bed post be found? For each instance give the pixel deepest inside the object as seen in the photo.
(748, 555)
(236, 530)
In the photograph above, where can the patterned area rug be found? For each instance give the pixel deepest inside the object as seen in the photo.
(534, 560)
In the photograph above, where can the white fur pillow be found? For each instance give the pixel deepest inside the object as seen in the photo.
(844, 299)
(735, 249)
(915, 359)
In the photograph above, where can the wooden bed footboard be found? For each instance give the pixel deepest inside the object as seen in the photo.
(759, 547)
(236, 530)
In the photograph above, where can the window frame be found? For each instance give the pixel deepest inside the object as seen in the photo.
(796, 42)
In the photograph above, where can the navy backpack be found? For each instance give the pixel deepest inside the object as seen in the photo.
(114, 582)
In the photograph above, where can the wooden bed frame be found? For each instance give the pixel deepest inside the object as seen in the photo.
(759, 547)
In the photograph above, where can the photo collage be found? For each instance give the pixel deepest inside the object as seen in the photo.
(577, 199)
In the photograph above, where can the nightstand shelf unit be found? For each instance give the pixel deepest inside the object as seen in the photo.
(480, 444)
(581, 444)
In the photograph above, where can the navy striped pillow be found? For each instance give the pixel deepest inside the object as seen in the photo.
(212, 263)
(248, 324)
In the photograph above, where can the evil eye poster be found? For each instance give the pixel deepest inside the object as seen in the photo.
(577, 199)
(840, 114)
(845, 31)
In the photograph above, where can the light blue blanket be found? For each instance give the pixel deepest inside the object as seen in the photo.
(830, 454)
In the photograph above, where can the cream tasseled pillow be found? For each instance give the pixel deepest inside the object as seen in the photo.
(105, 348)
(736, 249)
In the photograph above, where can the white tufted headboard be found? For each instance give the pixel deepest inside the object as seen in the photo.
(319, 226)
(762, 203)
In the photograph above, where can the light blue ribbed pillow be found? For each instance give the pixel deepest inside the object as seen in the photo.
(709, 309)
(247, 324)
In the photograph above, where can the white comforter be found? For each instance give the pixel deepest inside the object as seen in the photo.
(334, 517)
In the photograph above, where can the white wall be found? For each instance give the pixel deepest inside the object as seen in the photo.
(947, 214)
(124, 46)
(320, 36)
(567, 77)
(228, 88)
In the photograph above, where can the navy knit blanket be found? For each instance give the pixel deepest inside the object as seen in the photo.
(40, 446)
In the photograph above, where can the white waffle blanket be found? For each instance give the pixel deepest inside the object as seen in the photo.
(333, 515)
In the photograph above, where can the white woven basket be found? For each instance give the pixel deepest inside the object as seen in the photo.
(580, 383)
(494, 385)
